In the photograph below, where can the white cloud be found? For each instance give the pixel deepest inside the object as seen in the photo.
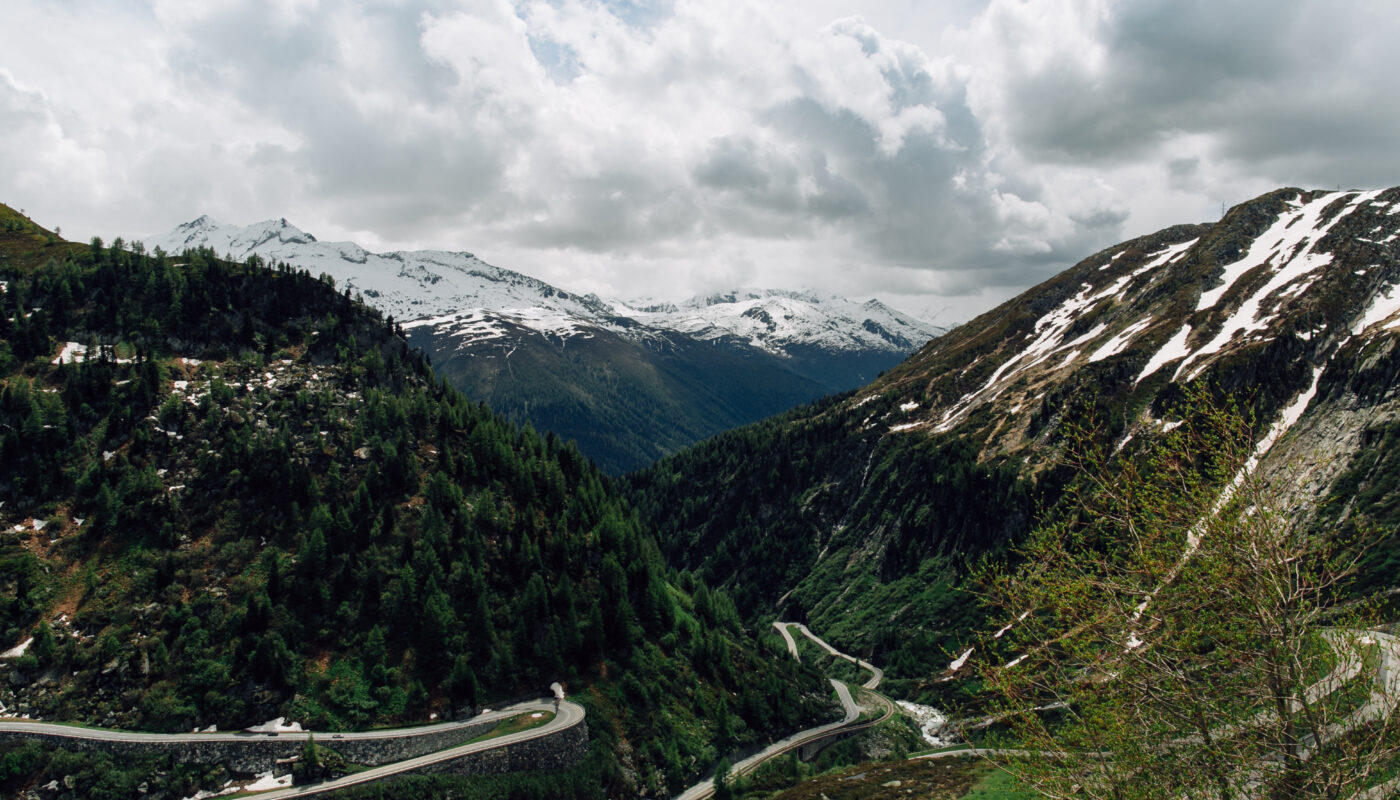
(664, 148)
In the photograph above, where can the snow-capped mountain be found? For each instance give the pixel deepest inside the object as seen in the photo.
(629, 384)
(434, 287)
(777, 320)
(1272, 297)
(458, 294)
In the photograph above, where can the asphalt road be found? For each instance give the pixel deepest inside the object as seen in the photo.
(876, 674)
(1382, 702)
(111, 735)
(569, 714)
(706, 789)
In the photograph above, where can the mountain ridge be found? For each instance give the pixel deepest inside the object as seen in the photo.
(279, 239)
(629, 385)
(877, 502)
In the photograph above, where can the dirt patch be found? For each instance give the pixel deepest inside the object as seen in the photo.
(68, 604)
(36, 543)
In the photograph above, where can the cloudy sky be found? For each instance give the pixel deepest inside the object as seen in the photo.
(940, 155)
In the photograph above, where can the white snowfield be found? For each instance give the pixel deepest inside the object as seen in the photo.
(279, 725)
(459, 295)
(18, 650)
(426, 284)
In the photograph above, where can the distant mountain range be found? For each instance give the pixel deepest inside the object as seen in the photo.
(628, 381)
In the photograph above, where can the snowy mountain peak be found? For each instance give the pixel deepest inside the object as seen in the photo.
(459, 295)
(258, 234)
(1270, 296)
(740, 295)
(778, 320)
(418, 285)
(189, 234)
(876, 307)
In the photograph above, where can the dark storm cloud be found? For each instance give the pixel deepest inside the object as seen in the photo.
(609, 212)
(1103, 218)
(732, 165)
(1294, 89)
(1167, 65)
(20, 109)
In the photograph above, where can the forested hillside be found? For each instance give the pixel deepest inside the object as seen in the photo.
(627, 385)
(230, 493)
(812, 516)
(864, 513)
(624, 399)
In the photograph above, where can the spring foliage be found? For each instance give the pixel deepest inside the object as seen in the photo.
(1172, 634)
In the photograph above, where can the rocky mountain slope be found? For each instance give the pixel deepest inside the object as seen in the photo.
(231, 493)
(629, 384)
(863, 511)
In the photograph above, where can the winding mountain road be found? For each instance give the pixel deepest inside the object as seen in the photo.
(848, 724)
(568, 715)
(876, 674)
(113, 735)
(706, 788)
(1382, 701)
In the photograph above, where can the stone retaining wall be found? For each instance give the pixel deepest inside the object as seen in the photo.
(372, 752)
(559, 750)
(259, 753)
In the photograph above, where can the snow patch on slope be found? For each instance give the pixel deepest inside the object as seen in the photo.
(1288, 250)
(1167, 255)
(1120, 342)
(1292, 239)
(1050, 331)
(1293, 230)
(1383, 307)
